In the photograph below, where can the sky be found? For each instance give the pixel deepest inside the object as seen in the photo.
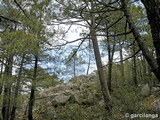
(73, 33)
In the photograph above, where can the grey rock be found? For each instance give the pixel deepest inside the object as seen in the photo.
(61, 98)
(155, 89)
(156, 105)
(80, 90)
(145, 90)
(84, 86)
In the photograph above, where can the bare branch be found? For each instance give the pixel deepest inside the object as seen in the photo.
(69, 42)
(125, 33)
(115, 34)
(77, 49)
(21, 8)
(9, 19)
(126, 58)
(120, 18)
(66, 31)
(108, 5)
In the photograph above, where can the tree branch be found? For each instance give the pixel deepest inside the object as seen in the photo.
(8, 19)
(21, 8)
(126, 58)
(77, 49)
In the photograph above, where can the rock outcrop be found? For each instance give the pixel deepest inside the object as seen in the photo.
(77, 88)
(145, 90)
(81, 99)
(156, 106)
(80, 92)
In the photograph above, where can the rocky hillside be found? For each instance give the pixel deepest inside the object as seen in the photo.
(81, 99)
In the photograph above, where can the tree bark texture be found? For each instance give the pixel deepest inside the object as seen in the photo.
(111, 50)
(16, 94)
(102, 78)
(121, 59)
(153, 14)
(32, 95)
(1, 75)
(7, 88)
(134, 67)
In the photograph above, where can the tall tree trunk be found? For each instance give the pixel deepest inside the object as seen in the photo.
(134, 67)
(109, 69)
(121, 61)
(1, 75)
(153, 14)
(74, 66)
(89, 63)
(102, 78)
(145, 51)
(7, 88)
(32, 95)
(143, 61)
(110, 62)
(139, 70)
(89, 59)
(13, 112)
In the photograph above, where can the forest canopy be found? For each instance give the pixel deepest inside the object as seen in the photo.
(49, 43)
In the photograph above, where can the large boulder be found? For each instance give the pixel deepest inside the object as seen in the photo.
(61, 98)
(58, 95)
(81, 90)
(155, 89)
(156, 106)
(145, 90)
